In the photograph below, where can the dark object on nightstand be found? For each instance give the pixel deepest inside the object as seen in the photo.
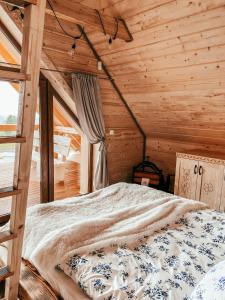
(147, 173)
(170, 183)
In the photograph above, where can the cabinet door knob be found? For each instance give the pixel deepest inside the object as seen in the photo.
(200, 170)
(195, 169)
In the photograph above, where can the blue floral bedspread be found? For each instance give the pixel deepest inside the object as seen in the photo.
(166, 265)
(212, 286)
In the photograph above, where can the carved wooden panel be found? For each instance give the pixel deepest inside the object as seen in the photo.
(187, 178)
(201, 178)
(211, 184)
(207, 158)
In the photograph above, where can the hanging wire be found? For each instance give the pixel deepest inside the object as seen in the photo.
(60, 25)
(117, 28)
(101, 22)
(50, 70)
(103, 27)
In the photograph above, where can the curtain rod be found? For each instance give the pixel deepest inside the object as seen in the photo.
(57, 71)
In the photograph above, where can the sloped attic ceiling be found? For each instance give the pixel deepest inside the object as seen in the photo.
(171, 74)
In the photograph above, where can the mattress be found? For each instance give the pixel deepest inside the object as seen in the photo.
(124, 242)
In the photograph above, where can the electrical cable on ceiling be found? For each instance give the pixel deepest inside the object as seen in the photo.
(117, 28)
(62, 28)
(17, 66)
(73, 47)
(101, 22)
(111, 38)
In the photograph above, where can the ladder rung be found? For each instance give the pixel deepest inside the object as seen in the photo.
(12, 139)
(8, 191)
(12, 74)
(5, 273)
(6, 236)
(20, 3)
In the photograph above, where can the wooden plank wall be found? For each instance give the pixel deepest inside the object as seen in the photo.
(125, 147)
(123, 153)
(172, 74)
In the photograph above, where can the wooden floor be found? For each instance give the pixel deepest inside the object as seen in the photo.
(70, 187)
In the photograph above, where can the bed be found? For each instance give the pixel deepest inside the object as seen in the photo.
(124, 242)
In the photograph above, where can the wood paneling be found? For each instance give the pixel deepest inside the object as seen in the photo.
(172, 74)
(125, 147)
(86, 16)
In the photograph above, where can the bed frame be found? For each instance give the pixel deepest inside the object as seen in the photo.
(32, 286)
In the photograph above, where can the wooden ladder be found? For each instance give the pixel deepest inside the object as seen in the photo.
(28, 76)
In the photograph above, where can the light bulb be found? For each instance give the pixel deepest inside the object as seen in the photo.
(107, 36)
(71, 52)
(99, 65)
(110, 42)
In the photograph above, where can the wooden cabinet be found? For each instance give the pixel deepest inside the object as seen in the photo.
(201, 178)
(187, 183)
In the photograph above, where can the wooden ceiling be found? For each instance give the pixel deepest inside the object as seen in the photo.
(171, 74)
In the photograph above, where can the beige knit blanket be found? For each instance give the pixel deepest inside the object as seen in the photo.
(117, 214)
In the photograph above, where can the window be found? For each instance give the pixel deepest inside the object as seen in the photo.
(67, 154)
(8, 127)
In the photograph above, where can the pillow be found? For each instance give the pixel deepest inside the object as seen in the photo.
(212, 286)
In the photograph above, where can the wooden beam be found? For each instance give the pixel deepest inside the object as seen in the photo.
(5, 273)
(66, 107)
(46, 141)
(88, 17)
(10, 37)
(9, 191)
(6, 236)
(11, 127)
(86, 170)
(12, 74)
(57, 81)
(12, 140)
(20, 3)
(7, 57)
(50, 131)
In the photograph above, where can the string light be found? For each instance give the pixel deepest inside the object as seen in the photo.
(109, 38)
(71, 51)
